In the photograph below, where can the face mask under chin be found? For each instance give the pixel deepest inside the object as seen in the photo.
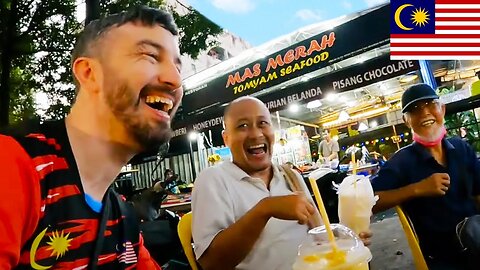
(433, 141)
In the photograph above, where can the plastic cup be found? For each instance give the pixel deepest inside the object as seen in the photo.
(316, 253)
(355, 202)
(354, 212)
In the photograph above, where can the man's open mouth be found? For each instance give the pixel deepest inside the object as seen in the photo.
(428, 123)
(159, 103)
(257, 149)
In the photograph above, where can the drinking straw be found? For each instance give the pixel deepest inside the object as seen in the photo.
(354, 163)
(323, 213)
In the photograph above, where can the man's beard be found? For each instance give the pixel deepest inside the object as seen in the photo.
(126, 108)
(432, 139)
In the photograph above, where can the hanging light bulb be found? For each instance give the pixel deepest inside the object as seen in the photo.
(294, 108)
(343, 116)
(314, 104)
(362, 127)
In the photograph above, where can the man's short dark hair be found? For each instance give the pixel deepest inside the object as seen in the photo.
(167, 171)
(97, 28)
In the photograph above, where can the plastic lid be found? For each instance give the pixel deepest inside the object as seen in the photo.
(313, 253)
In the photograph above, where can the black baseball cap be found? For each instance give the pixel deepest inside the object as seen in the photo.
(415, 93)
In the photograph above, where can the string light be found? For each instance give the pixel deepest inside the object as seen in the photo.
(382, 140)
(392, 138)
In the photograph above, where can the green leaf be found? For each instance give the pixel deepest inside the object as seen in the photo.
(45, 34)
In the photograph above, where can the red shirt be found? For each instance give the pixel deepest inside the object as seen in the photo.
(21, 210)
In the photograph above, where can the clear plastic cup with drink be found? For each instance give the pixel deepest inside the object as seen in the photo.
(318, 253)
(355, 202)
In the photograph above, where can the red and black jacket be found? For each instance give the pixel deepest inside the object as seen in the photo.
(69, 234)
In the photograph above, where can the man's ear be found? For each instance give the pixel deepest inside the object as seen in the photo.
(444, 109)
(406, 121)
(86, 72)
(225, 137)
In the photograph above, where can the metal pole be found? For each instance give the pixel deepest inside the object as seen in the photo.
(395, 133)
(277, 116)
(92, 10)
(192, 164)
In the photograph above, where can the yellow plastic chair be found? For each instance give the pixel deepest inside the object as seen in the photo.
(412, 239)
(184, 230)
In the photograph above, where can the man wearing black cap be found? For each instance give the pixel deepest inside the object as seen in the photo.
(436, 180)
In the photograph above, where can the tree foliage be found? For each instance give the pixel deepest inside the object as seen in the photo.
(195, 33)
(38, 37)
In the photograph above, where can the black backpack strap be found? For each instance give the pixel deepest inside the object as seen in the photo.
(130, 222)
(130, 226)
(130, 231)
(101, 231)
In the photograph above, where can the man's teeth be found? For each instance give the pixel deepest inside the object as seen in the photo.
(428, 123)
(168, 103)
(256, 146)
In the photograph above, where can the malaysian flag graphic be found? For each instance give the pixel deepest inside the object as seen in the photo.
(128, 256)
(435, 30)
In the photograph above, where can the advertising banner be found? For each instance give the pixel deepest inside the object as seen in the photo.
(347, 79)
(344, 41)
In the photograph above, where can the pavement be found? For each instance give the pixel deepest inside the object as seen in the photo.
(389, 246)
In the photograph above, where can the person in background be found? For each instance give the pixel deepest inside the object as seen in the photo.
(328, 148)
(170, 181)
(126, 69)
(168, 174)
(436, 180)
(245, 216)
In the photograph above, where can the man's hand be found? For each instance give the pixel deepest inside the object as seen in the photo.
(366, 238)
(436, 184)
(290, 207)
